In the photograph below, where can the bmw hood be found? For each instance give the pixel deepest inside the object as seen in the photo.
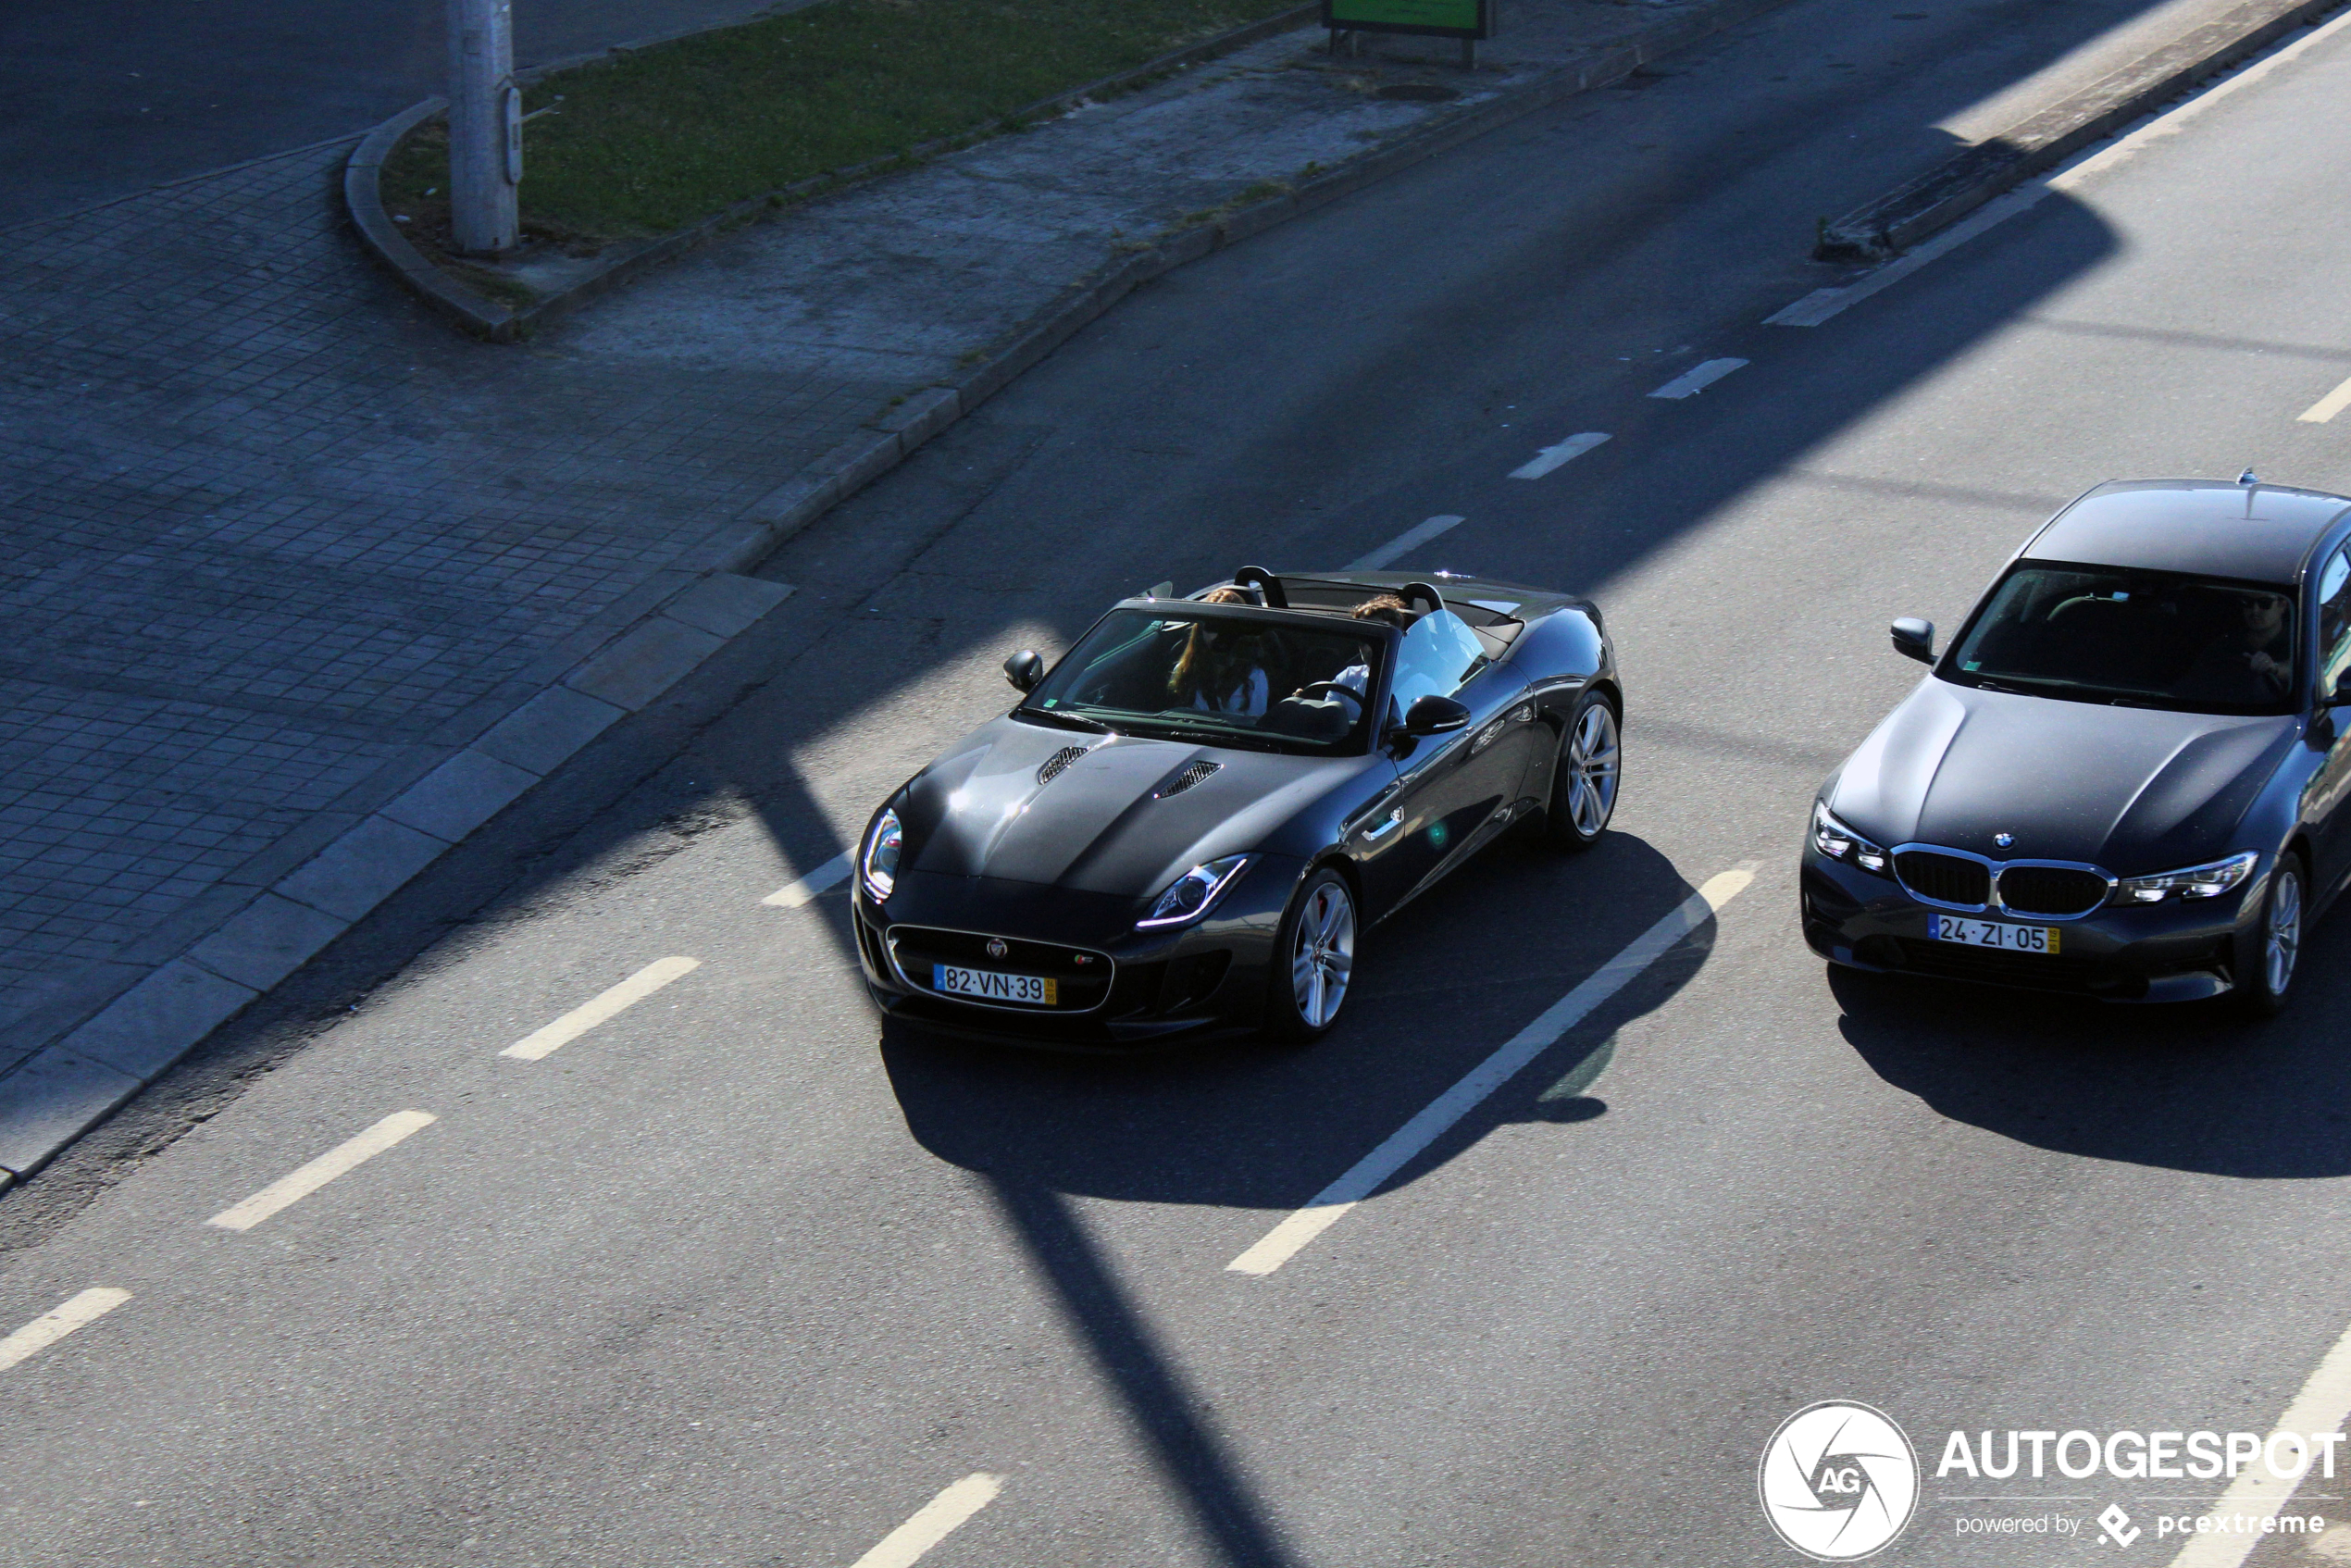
(2132, 789)
(1100, 814)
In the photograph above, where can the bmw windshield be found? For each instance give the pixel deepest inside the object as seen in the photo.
(1218, 679)
(2123, 635)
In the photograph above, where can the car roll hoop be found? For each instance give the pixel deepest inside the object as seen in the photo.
(1268, 587)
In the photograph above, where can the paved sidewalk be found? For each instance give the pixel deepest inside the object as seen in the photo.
(277, 542)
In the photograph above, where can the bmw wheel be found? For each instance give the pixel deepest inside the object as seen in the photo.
(1313, 960)
(1583, 785)
(2263, 979)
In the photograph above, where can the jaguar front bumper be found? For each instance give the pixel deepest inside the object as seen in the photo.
(1118, 988)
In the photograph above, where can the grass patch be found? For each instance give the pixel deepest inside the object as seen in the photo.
(646, 142)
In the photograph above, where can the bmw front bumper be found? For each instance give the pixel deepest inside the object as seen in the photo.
(1118, 988)
(2180, 949)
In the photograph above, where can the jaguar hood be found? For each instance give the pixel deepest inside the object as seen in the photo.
(1104, 813)
(2132, 789)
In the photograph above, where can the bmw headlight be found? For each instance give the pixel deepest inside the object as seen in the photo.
(1189, 896)
(878, 865)
(2195, 882)
(1837, 841)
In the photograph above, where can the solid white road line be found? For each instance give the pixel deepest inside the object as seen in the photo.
(1551, 457)
(1821, 304)
(1286, 1239)
(2322, 1406)
(2327, 407)
(933, 1523)
(51, 1327)
(581, 1019)
(1698, 378)
(1410, 538)
(301, 1184)
(792, 895)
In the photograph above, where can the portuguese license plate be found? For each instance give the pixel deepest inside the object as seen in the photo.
(1992, 934)
(987, 985)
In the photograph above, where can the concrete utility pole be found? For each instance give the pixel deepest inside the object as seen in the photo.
(485, 126)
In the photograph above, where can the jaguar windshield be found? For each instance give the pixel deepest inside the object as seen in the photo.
(2110, 634)
(1220, 679)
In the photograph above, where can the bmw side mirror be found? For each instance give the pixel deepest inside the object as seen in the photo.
(1434, 715)
(1025, 669)
(1914, 638)
(2341, 693)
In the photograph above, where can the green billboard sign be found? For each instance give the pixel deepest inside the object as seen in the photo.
(1449, 19)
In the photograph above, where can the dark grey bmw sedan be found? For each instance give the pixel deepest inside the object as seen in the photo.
(2125, 777)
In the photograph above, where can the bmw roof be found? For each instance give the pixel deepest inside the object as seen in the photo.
(2262, 532)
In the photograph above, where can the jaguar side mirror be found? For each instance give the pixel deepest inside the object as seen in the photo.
(1025, 669)
(2341, 693)
(1434, 715)
(1914, 638)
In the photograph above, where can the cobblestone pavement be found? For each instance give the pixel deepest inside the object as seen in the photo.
(267, 524)
(264, 524)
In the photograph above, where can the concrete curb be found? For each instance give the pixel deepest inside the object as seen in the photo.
(841, 472)
(285, 906)
(363, 194)
(273, 915)
(1941, 197)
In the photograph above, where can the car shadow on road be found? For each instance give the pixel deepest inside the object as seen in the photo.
(2196, 1088)
(1252, 1125)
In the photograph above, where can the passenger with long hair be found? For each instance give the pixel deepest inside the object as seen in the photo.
(1221, 669)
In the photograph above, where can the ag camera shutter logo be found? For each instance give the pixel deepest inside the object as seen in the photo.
(1838, 1481)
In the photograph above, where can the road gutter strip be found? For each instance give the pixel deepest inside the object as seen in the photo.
(1933, 201)
(271, 916)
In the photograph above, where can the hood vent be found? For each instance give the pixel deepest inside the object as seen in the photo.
(1195, 774)
(1056, 764)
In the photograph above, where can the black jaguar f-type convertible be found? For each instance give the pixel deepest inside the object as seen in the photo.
(2126, 776)
(1186, 820)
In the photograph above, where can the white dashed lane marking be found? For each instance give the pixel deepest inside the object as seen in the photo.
(792, 895)
(1410, 538)
(1698, 378)
(579, 1020)
(335, 1162)
(933, 1523)
(1287, 1238)
(51, 1327)
(1551, 457)
(2327, 407)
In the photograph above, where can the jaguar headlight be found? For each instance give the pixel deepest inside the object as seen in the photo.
(2194, 882)
(878, 865)
(1191, 895)
(1837, 841)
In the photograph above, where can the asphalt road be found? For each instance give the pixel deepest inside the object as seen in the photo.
(722, 1281)
(105, 97)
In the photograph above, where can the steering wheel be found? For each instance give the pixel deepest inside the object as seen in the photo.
(1327, 688)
